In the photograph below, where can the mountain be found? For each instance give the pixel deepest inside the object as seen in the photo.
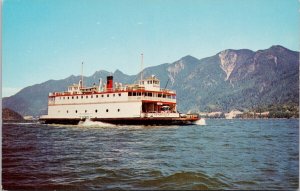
(10, 115)
(232, 79)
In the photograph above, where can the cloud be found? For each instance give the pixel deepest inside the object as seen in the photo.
(9, 91)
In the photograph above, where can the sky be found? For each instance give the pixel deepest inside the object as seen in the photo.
(49, 39)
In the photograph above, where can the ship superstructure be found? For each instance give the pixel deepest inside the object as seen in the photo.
(141, 103)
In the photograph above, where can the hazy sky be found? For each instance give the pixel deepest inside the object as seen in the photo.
(48, 39)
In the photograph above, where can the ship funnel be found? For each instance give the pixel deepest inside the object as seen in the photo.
(110, 82)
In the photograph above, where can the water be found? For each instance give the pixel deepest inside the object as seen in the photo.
(219, 154)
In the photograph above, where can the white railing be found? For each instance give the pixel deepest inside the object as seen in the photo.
(168, 91)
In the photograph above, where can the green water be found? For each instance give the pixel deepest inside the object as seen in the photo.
(223, 154)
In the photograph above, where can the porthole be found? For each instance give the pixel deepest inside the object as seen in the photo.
(72, 97)
(107, 95)
(118, 110)
(102, 95)
(114, 95)
(68, 98)
(67, 111)
(76, 111)
(85, 111)
(96, 111)
(96, 96)
(81, 97)
(106, 110)
(119, 94)
(87, 96)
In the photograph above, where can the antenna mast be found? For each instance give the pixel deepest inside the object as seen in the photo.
(142, 67)
(82, 75)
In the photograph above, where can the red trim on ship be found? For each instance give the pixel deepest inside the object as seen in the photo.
(163, 102)
(144, 101)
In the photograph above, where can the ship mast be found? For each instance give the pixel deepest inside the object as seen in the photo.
(142, 67)
(82, 75)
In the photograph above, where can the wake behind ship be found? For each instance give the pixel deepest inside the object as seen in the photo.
(144, 103)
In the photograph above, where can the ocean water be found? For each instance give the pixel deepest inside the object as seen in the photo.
(216, 154)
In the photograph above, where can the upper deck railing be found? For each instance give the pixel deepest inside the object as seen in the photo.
(116, 90)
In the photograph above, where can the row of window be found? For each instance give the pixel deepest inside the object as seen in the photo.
(85, 111)
(91, 96)
(150, 82)
(149, 94)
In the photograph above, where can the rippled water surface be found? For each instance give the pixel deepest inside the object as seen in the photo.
(223, 154)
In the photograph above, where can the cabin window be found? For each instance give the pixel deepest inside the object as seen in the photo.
(68, 98)
(102, 95)
(85, 111)
(81, 97)
(150, 94)
(91, 96)
(72, 97)
(96, 111)
(114, 95)
(63, 97)
(119, 94)
(106, 110)
(76, 97)
(107, 95)
(164, 96)
(134, 93)
(118, 110)
(67, 111)
(76, 111)
(139, 93)
(129, 93)
(96, 96)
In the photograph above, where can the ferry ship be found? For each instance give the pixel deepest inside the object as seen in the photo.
(143, 103)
